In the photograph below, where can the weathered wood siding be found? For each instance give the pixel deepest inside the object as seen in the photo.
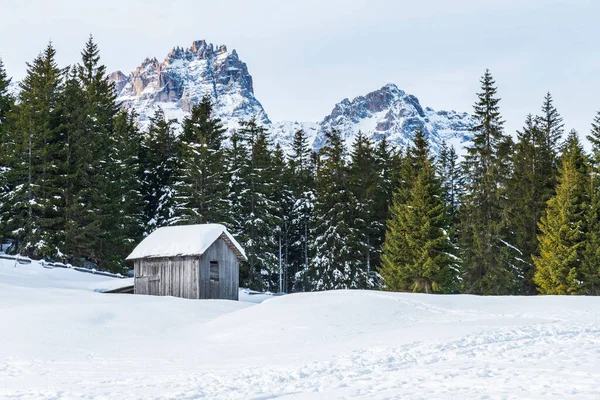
(177, 276)
(229, 273)
(189, 277)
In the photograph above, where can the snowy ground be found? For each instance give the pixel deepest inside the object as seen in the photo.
(59, 339)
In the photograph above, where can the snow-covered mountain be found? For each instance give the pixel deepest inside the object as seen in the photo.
(392, 113)
(186, 75)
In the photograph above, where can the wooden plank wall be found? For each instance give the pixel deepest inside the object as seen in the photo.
(229, 273)
(189, 277)
(176, 276)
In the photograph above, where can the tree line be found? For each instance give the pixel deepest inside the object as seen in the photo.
(81, 183)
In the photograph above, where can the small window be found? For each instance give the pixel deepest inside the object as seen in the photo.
(214, 271)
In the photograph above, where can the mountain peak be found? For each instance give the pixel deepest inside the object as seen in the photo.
(184, 77)
(198, 45)
(390, 87)
(392, 113)
(188, 74)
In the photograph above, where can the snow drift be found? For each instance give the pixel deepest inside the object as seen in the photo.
(60, 339)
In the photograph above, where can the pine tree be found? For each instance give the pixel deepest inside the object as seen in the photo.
(417, 253)
(562, 241)
(302, 188)
(253, 215)
(31, 213)
(160, 166)
(385, 164)
(412, 163)
(237, 163)
(201, 186)
(99, 120)
(527, 195)
(550, 123)
(363, 179)
(125, 191)
(488, 259)
(91, 164)
(6, 106)
(591, 253)
(261, 221)
(452, 185)
(6, 99)
(335, 265)
(283, 200)
(82, 225)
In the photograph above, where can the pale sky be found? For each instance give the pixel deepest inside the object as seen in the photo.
(305, 56)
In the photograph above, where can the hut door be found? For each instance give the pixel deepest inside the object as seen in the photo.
(147, 285)
(153, 285)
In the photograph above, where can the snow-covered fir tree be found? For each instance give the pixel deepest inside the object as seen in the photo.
(200, 189)
(31, 213)
(124, 191)
(6, 105)
(253, 213)
(363, 180)
(160, 168)
(338, 261)
(487, 254)
(302, 187)
(79, 182)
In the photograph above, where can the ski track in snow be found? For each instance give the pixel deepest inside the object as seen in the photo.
(343, 344)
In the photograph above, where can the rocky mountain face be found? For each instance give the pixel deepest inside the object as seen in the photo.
(186, 75)
(392, 113)
(183, 78)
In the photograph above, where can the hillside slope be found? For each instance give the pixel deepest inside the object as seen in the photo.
(70, 342)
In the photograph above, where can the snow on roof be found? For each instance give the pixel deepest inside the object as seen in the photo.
(185, 240)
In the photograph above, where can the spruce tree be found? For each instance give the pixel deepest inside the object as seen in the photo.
(527, 195)
(124, 191)
(488, 258)
(591, 253)
(6, 105)
(335, 264)
(160, 165)
(385, 163)
(302, 189)
(417, 253)
(6, 99)
(31, 209)
(411, 164)
(201, 186)
(452, 185)
(237, 163)
(283, 200)
(253, 215)
(562, 239)
(100, 111)
(261, 220)
(550, 123)
(81, 194)
(363, 179)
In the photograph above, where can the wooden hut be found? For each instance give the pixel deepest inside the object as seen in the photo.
(192, 261)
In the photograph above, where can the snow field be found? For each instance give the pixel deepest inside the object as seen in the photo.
(61, 340)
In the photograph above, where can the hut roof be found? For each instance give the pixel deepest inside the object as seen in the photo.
(185, 240)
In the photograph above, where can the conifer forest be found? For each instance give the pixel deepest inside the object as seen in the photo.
(517, 214)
